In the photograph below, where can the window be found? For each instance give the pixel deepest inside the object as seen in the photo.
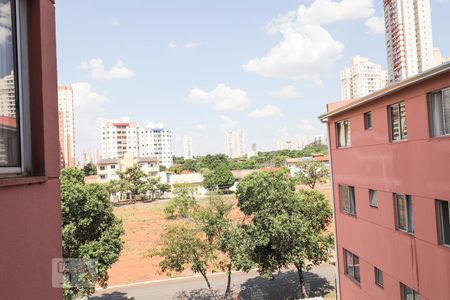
(408, 293)
(347, 199)
(102, 168)
(368, 120)
(102, 176)
(403, 208)
(373, 198)
(113, 166)
(351, 265)
(397, 117)
(11, 156)
(439, 110)
(444, 221)
(379, 277)
(343, 134)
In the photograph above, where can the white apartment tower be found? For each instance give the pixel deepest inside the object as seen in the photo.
(362, 78)
(66, 126)
(187, 147)
(8, 96)
(119, 137)
(235, 143)
(409, 39)
(154, 140)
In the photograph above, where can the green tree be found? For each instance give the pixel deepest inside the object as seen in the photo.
(135, 181)
(219, 178)
(163, 188)
(180, 205)
(113, 187)
(183, 247)
(90, 169)
(312, 173)
(89, 228)
(286, 227)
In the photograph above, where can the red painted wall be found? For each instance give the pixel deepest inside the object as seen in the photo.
(30, 213)
(419, 167)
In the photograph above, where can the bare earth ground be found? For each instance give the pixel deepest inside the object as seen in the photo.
(144, 224)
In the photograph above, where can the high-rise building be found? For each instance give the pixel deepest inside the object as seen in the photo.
(187, 147)
(66, 126)
(362, 78)
(390, 182)
(409, 38)
(154, 140)
(235, 143)
(7, 96)
(118, 137)
(438, 58)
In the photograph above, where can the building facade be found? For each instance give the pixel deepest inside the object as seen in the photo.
(235, 144)
(409, 39)
(187, 147)
(66, 126)
(30, 209)
(119, 137)
(390, 161)
(155, 140)
(362, 78)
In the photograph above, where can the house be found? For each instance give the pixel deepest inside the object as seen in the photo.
(30, 205)
(390, 154)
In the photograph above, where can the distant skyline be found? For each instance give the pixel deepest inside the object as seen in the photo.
(202, 67)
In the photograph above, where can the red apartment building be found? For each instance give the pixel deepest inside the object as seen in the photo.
(30, 213)
(390, 157)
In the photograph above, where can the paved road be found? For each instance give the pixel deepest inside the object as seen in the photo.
(251, 286)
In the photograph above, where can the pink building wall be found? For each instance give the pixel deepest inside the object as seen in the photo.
(30, 213)
(419, 167)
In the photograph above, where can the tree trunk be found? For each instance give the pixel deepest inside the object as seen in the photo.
(301, 282)
(209, 285)
(227, 291)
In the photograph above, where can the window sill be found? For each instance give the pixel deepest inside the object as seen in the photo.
(13, 181)
(373, 206)
(406, 232)
(439, 137)
(358, 283)
(348, 214)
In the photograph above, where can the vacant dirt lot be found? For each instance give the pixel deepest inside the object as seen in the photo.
(144, 224)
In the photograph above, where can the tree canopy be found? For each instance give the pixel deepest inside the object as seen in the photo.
(312, 172)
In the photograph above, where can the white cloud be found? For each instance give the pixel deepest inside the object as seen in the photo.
(88, 110)
(288, 91)
(193, 44)
(270, 111)
(307, 50)
(305, 127)
(228, 123)
(5, 20)
(114, 22)
(98, 71)
(222, 98)
(201, 126)
(375, 24)
(172, 45)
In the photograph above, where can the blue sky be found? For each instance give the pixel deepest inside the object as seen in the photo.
(202, 67)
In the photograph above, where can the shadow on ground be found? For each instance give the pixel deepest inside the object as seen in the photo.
(113, 296)
(284, 286)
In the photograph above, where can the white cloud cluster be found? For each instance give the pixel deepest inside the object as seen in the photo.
(98, 71)
(307, 50)
(188, 45)
(288, 91)
(5, 20)
(222, 98)
(269, 111)
(89, 107)
(114, 22)
(375, 24)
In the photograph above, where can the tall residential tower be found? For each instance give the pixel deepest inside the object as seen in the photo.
(234, 144)
(119, 137)
(155, 140)
(66, 127)
(361, 79)
(409, 38)
(187, 147)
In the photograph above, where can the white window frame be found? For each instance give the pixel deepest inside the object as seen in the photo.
(352, 275)
(403, 288)
(350, 190)
(379, 278)
(347, 133)
(409, 217)
(19, 24)
(373, 194)
(391, 127)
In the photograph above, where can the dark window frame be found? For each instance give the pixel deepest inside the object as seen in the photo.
(346, 126)
(431, 106)
(353, 270)
(443, 222)
(379, 277)
(408, 216)
(368, 121)
(404, 289)
(402, 125)
(350, 191)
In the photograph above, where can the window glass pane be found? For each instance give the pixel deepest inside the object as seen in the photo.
(379, 277)
(436, 114)
(343, 196)
(407, 293)
(349, 263)
(395, 122)
(410, 214)
(351, 199)
(341, 135)
(403, 123)
(349, 136)
(401, 212)
(373, 199)
(356, 267)
(446, 108)
(444, 209)
(9, 129)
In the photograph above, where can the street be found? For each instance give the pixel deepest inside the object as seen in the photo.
(319, 281)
